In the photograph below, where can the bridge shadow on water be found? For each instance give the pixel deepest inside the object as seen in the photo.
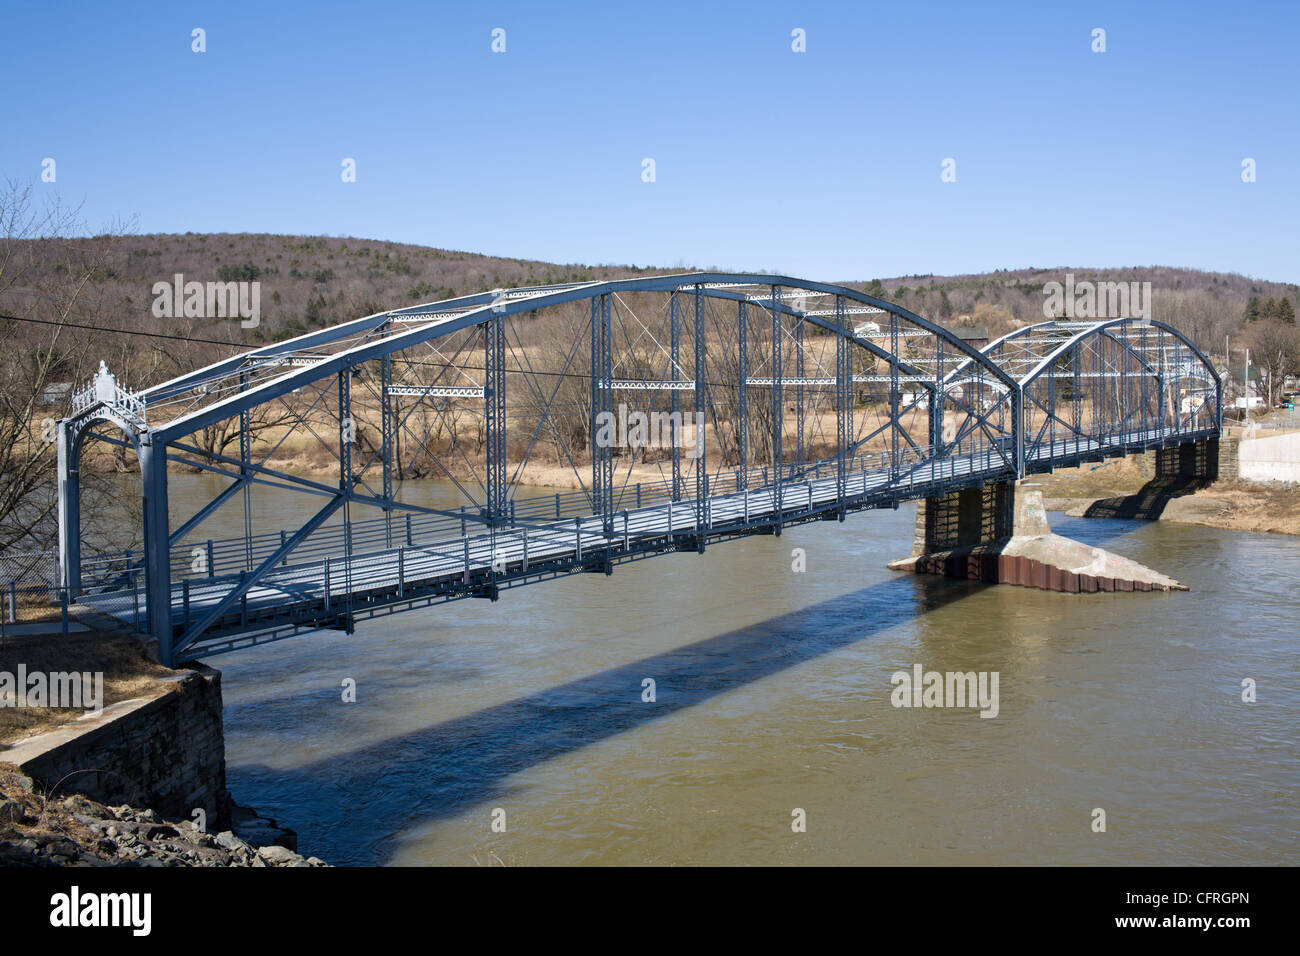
(356, 807)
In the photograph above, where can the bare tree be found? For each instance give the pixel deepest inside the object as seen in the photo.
(1275, 347)
(47, 285)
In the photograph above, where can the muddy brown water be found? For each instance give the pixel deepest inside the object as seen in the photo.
(773, 693)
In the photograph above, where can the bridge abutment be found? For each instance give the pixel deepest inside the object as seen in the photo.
(1202, 460)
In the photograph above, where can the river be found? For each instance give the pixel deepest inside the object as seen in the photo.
(773, 693)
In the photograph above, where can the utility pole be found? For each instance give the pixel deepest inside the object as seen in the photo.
(1245, 412)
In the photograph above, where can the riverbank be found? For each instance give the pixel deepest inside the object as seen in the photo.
(130, 772)
(1127, 488)
(38, 829)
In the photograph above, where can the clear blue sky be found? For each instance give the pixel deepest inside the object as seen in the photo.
(824, 164)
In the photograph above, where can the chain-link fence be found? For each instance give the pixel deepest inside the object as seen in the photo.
(30, 572)
(30, 577)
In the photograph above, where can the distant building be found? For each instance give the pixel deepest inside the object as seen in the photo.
(56, 393)
(976, 336)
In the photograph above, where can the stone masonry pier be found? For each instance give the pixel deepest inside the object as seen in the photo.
(999, 534)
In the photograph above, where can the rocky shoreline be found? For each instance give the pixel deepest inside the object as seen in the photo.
(38, 830)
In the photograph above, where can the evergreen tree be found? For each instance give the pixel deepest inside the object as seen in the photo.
(1286, 311)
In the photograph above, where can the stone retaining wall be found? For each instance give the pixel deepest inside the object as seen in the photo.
(166, 752)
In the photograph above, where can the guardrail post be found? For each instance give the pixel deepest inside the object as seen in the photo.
(13, 602)
(577, 524)
(327, 583)
(557, 504)
(525, 549)
(465, 541)
(185, 600)
(212, 564)
(409, 540)
(401, 572)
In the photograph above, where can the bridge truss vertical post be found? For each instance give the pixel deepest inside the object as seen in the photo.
(700, 451)
(1051, 412)
(1018, 427)
(494, 414)
(1076, 399)
(674, 353)
(777, 408)
(936, 403)
(843, 401)
(246, 474)
(1125, 396)
(799, 394)
(347, 435)
(1161, 397)
(1218, 404)
(1098, 389)
(1140, 393)
(742, 402)
(895, 400)
(69, 479)
(157, 534)
(386, 428)
(1103, 383)
(602, 397)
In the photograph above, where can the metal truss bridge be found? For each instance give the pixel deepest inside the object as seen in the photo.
(671, 412)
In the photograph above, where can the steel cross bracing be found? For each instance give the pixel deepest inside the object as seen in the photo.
(794, 410)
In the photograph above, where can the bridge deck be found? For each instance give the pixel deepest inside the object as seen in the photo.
(336, 591)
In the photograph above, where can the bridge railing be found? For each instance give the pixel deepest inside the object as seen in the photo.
(545, 519)
(329, 581)
(195, 560)
(215, 558)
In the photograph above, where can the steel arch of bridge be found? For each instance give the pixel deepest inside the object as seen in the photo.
(1086, 380)
(903, 408)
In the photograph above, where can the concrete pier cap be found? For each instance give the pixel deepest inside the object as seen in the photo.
(999, 534)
